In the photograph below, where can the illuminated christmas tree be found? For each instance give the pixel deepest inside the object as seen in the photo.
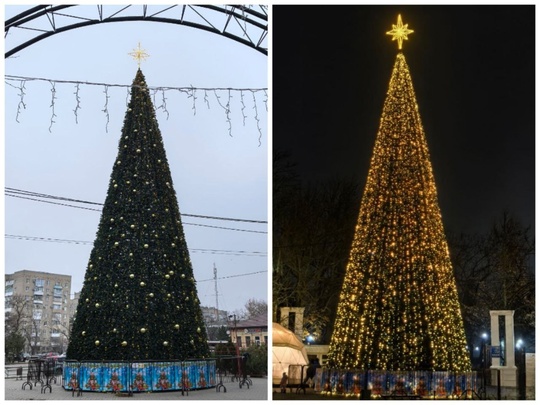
(398, 307)
(139, 298)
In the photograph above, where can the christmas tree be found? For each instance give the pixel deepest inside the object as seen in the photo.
(139, 298)
(398, 307)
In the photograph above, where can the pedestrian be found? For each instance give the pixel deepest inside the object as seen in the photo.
(310, 374)
(283, 383)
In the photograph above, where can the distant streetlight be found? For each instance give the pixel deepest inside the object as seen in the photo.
(233, 317)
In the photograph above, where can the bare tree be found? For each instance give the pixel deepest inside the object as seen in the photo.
(494, 271)
(16, 318)
(254, 307)
(313, 228)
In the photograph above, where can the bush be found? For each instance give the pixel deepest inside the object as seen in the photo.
(257, 363)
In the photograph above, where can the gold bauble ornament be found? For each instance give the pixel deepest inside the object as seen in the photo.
(171, 272)
(142, 284)
(199, 330)
(132, 226)
(97, 342)
(131, 275)
(183, 275)
(165, 343)
(176, 326)
(83, 333)
(146, 245)
(151, 295)
(143, 330)
(167, 276)
(97, 304)
(124, 343)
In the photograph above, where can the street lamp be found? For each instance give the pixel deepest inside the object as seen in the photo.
(233, 316)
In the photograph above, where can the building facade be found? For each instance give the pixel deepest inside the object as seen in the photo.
(249, 332)
(45, 298)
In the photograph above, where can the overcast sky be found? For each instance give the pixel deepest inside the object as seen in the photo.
(473, 70)
(216, 171)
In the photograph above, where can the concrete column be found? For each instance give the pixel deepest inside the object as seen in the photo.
(509, 341)
(495, 340)
(298, 327)
(508, 371)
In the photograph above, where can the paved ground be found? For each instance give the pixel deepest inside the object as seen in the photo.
(256, 392)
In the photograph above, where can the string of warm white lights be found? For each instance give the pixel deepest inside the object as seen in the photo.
(399, 308)
(223, 95)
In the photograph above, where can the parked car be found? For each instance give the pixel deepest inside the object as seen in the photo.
(58, 363)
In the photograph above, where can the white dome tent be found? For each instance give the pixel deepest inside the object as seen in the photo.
(287, 350)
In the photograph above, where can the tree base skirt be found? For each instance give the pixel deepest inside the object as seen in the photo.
(132, 377)
(398, 384)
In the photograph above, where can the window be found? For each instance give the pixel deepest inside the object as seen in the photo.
(257, 340)
(248, 341)
(239, 341)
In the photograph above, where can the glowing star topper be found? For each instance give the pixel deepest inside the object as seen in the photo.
(139, 54)
(399, 31)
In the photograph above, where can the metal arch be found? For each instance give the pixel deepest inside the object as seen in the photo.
(247, 25)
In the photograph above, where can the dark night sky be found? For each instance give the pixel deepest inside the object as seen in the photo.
(473, 70)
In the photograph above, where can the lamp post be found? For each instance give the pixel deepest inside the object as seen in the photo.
(484, 360)
(233, 316)
(522, 371)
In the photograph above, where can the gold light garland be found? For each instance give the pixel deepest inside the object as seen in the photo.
(398, 307)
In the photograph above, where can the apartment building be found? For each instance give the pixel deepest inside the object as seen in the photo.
(47, 300)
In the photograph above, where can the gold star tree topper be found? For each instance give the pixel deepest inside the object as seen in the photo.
(399, 31)
(139, 54)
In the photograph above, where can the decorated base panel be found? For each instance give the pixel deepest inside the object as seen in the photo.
(424, 384)
(139, 376)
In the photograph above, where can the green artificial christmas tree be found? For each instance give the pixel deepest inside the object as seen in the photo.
(399, 307)
(139, 298)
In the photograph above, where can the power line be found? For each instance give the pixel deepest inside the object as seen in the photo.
(234, 276)
(40, 197)
(14, 192)
(85, 242)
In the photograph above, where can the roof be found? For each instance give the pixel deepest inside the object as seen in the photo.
(257, 321)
